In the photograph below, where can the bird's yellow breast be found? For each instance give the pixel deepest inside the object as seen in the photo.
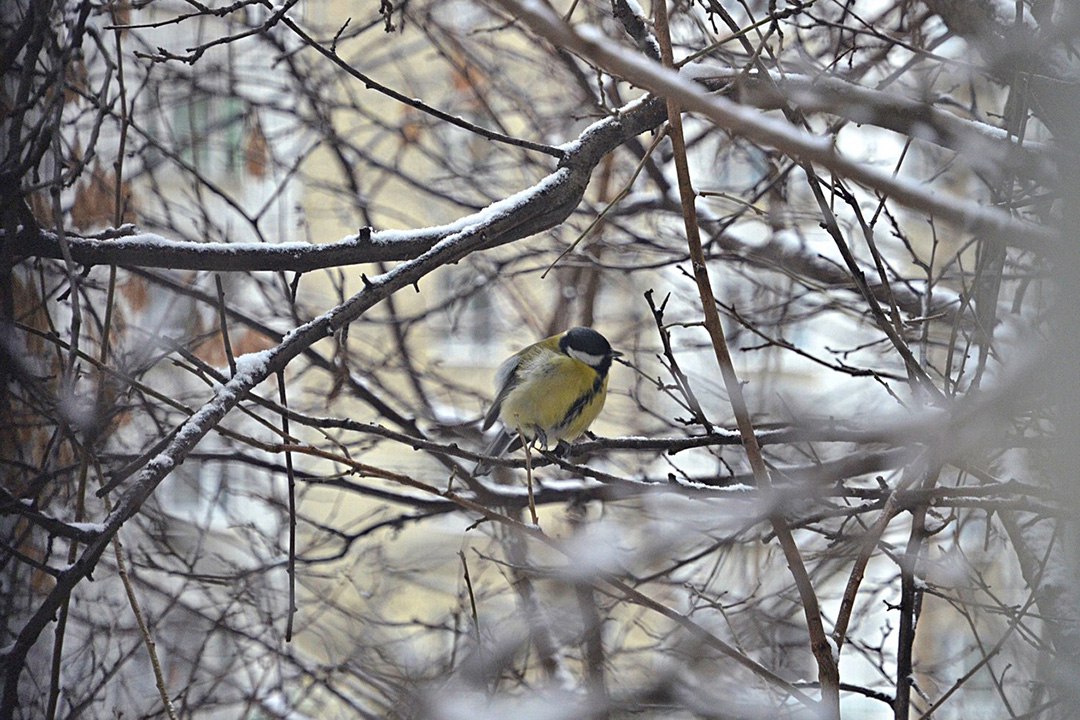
(556, 394)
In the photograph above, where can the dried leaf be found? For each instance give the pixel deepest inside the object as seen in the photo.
(95, 198)
(256, 149)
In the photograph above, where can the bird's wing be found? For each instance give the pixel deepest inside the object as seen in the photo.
(505, 380)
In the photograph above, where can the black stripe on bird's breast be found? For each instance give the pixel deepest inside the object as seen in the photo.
(582, 402)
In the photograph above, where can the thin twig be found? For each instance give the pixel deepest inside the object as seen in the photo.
(893, 505)
(622, 194)
(472, 597)
(144, 630)
(910, 603)
(291, 612)
(372, 84)
(529, 481)
(681, 380)
(224, 324)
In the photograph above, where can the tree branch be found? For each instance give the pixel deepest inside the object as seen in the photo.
(801, 145)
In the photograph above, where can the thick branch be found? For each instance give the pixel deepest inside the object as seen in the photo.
(533, 210)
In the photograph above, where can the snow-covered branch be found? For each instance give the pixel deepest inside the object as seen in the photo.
(797, 143)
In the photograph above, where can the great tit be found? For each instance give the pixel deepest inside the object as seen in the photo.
(551, 391)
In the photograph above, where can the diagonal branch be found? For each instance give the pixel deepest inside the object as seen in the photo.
(828, 674)
(772, 132)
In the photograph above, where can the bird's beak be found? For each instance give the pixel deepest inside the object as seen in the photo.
(616, 353)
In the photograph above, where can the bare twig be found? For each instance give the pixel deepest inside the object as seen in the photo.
(291, 476)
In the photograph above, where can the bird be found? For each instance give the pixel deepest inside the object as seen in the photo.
(551, 391)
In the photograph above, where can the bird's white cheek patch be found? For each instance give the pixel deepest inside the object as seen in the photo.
(587, 358)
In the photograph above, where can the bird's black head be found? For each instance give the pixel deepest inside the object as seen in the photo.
(588, 346)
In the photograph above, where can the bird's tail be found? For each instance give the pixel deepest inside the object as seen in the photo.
(504, 442)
